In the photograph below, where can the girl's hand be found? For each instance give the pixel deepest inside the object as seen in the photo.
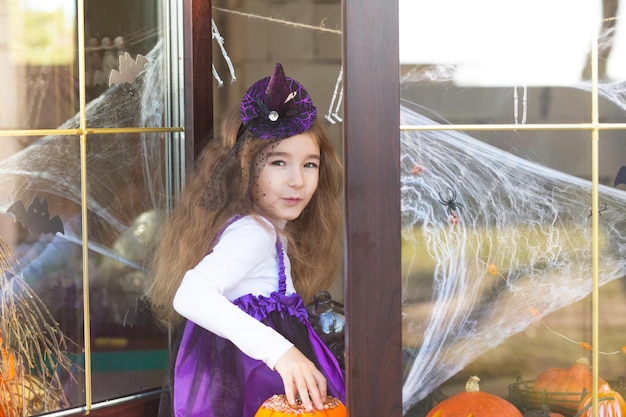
(301, 377)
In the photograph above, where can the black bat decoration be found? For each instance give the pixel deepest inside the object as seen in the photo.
(620, 178)
(37, 218)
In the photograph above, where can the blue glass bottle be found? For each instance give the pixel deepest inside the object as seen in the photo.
(328, 319)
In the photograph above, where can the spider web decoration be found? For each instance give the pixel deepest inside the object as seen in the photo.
(125, 194)
(122, 165)
(509, 242)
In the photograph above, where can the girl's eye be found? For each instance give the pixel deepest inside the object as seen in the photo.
(278, 163)
(310, 165)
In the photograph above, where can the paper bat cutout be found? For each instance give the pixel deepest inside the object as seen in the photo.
(37, 218)
(128, 69)
(620, 178)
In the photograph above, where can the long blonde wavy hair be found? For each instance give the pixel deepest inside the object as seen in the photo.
(188, 233)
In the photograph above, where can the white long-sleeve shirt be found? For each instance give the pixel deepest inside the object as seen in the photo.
(244, 261)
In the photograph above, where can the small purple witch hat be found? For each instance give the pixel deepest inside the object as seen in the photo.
(277, 107)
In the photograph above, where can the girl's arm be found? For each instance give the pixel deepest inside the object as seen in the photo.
(244, 248)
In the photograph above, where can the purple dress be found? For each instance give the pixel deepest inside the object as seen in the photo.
(211, 377)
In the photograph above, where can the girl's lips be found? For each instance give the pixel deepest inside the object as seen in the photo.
(293, 201)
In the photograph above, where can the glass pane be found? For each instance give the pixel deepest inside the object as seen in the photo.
(125, 175)
(480, 52)
(497, 228)
(612, 292)
(123, 59)
(492, 244)
(41, 324)
(611, 58)
(126, 184)
(38, 65)
(39, 62)
(129, 176)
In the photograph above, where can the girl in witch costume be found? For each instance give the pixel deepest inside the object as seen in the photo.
(267, 186)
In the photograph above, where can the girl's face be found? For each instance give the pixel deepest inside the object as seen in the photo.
(289, 178)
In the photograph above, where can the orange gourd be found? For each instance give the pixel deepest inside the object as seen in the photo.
(566, 386)
(278, 406)
(610, 403)
(474, 402)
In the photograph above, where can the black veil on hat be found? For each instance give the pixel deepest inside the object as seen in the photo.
(273, 108)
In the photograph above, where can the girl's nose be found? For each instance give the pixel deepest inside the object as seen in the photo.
(296, 178)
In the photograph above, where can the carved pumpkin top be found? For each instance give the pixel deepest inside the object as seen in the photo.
(277, 406)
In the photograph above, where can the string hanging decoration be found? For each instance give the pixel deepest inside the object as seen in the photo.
(516, 105)
(215, 34)
(336, 100)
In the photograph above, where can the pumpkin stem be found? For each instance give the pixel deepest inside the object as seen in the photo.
(472, 384)
(584, 361)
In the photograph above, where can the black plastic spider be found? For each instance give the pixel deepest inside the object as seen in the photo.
(606, 207)
(451, 204)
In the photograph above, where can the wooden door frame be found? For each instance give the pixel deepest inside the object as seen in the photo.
(198, 84)
(372, 233)
(372, 189)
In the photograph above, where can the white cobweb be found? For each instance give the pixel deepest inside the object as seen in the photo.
(516, 247)
(125, 170)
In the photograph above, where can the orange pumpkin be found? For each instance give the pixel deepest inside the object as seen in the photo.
(565, 387)
(8, 372)
(7, 363)
(474, 402)
(278, 406)
(610, 403)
